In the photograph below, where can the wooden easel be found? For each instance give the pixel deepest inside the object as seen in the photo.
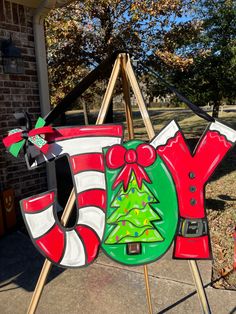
(123, 65)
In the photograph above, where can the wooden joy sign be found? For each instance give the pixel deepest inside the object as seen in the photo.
(133, 198)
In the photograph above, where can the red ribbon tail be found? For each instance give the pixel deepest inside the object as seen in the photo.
(44, 149)
(140, 175)
(43, 130)
(12, 139)
(125, 176)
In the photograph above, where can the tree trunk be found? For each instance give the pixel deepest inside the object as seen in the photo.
(150, 101)
(215, 110)
(134, 248)
(85, 110)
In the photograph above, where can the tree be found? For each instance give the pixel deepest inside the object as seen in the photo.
(211, 78)
(82, 34)
(133, 217)
(219, 39)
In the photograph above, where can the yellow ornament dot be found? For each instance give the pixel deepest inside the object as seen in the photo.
(136, 211)
(145, 222)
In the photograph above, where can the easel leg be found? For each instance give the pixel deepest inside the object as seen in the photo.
(126, 90)
(199, 286)
(69, 206)
(140, 100)
(109, 91)
(130, 127)
(151, 134)
(149, 300)
(47, 264)
(39, 287)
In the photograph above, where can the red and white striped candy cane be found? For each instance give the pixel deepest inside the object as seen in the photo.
(77, 246)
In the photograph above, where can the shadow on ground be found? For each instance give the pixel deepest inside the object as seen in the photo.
(186, 297)
(20, 263)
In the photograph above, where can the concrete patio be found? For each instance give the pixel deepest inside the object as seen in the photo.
(104, 287)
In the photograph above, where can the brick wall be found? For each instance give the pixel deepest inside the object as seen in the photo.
(18, 93)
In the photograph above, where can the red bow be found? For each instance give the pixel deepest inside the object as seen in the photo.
(131, 160)
(20, 136)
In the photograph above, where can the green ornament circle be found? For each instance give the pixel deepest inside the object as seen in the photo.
(163, 189)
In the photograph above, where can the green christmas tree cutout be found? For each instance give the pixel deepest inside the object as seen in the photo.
(133, 216)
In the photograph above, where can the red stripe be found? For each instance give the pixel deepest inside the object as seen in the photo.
(12, 139)
(91, 242)
(96, 130)
(192, 248)
(38, 203)
(43, 130)
(52, 244)
(87, 162)
(93, 198)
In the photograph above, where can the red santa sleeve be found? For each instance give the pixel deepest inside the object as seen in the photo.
(190, 173)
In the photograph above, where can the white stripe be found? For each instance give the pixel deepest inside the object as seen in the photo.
(229, 133)
(76, 146)
(168, 132)
(40, 223)
(87, 180)
(74, 254)
(93, 217)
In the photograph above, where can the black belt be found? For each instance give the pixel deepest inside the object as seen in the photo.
(192, 227)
